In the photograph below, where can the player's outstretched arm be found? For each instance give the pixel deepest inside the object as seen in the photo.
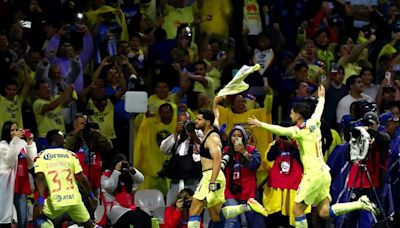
(275, 129)
(321, 102)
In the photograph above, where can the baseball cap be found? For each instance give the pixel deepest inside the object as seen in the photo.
(386, 117)
(370, 118)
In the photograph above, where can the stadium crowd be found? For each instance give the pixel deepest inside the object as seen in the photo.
(66, 67)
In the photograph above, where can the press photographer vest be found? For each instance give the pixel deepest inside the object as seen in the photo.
(184, 167)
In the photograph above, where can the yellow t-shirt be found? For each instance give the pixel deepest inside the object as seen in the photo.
(209, 90)
(314, 72)
(388, 49)
(11, 110)
(220, 11)
(104, 118)
(336, 140)
(174, 17)
(147, 155)
(349, 69)
(59, 167)
(214, 74)
(326, 56)
(153, 103)
(50, 120)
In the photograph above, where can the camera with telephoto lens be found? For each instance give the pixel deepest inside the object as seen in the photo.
(87, 131)
(189, 126)
(126, 167)
(224, 161)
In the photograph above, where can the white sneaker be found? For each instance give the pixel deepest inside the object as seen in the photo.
(367, 204)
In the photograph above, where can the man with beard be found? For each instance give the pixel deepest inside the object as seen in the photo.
(210, 191)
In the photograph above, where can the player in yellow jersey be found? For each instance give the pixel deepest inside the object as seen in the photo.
(316, 181)
(56, 169)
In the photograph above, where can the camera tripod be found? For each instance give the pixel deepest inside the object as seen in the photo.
(362, 168)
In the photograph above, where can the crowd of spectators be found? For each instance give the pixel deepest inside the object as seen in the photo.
(67, 65)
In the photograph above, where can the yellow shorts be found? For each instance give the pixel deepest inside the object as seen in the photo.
(212, 198)
(78, 212)
(314, 187)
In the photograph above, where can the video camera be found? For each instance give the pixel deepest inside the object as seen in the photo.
(359, 144)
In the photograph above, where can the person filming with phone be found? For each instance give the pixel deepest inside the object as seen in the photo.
(17, 152)
(240, 162)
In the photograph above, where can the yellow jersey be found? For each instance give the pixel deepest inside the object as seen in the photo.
(59, 167)
(174, 17)
(104, 118)
(49, 120)
(11, 110)
(309, 139)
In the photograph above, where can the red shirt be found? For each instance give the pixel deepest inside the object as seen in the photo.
(22, 184)
(247, 179)
(95, 168)
(290, 180)
(172, 219)
(374, 169)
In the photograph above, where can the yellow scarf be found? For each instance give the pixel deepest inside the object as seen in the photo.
(120, 17)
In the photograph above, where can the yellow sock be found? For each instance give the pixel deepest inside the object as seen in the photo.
(344, 208)
(235, 210)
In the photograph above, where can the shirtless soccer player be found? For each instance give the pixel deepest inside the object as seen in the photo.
(210, 190)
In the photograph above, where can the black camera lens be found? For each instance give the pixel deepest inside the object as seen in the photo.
(125, 166)
(190, 126)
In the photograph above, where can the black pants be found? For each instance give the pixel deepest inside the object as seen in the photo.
(137, 218)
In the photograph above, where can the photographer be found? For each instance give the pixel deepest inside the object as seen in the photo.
(91, 147)
(374, 157)
(118, 184)
(368, 152)
(240, 162)
(177, 215)
(184, 167)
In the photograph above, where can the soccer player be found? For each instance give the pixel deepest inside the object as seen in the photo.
(56, 169)
(315, 184)
(210, 190)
